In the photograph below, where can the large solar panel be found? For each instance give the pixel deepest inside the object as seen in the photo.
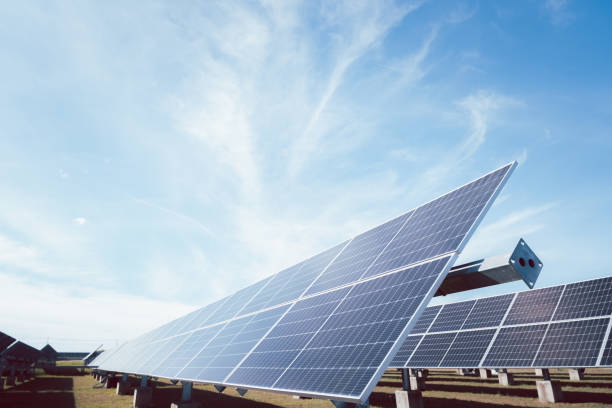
(561, 326)
(327, 326)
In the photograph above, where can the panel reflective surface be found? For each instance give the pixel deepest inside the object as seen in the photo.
(329, 325)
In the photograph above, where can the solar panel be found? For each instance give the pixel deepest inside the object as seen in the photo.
(516, 335)
(468, 348)
(452, 316)
(432, 350)
(339, 315)
(516, 346)
(427, 317)
(488, 312)
(534, 306)
(5, 341)
(572, 344)
(586, 299)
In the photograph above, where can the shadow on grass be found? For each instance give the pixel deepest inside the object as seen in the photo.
(40, 392)
(164, 395)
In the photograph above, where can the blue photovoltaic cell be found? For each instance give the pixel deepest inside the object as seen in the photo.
(358, 255)
(488, 312)
(282, 345)
(586, 299)
(431, 351)
(236, 302)
(452, 316)
(515, 346)
(360, 332)
(230, 346)
(290, 283)
(439, 226)
(158, 353)
(534, 306)
(202, 316)
(425, 320)
(174, 363)
(468, 348)
(572, 344)
(404, 353)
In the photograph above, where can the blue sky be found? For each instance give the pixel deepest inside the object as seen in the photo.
(157, 156)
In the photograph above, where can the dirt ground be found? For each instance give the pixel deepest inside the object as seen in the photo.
(443, 389)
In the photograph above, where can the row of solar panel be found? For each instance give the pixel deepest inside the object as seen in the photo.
(337, 314)
(345, 333)
(433, 229)
(15, 351)
(561, 326)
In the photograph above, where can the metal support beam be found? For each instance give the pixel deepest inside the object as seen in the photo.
(241, 391)
(522, 264)
(143, 381)
(187, 388)
(124, 377)
(405, 379)
(220, 388)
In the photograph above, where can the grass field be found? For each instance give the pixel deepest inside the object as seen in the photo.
(443, 389)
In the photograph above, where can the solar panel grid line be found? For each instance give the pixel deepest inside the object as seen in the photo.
(501, 323)
(178, 345)
(604, 343)
(411, 323)
(388, 243)
(423, 336)
(448, 349)
(548, 327)
(468, 315)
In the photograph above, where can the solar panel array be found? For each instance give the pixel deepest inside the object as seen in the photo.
(328, 326)
(561, 326)
(22, 352)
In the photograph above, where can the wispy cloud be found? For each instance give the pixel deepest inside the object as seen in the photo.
(79, 221)
(559, 12)
(186, 218)
(360, 28)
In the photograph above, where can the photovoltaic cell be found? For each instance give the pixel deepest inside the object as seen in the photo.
(452, 316)
(586, 299)
(431, 351)
(439, 226)
(468, 348)
(488, 312)
(359, 255)
(425, 320)
(572, 344)
(404, 353)
(290, 283)
(515, 346)
(361, 331)
(534, 306)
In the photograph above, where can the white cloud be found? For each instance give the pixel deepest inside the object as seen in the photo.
(79, 220)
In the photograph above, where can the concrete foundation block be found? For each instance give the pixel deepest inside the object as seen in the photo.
(124, 388)
(549, 391)
(423, 373)
(485, 373)
(143, 397)
(417, 383)
(505, 379)
(408, 399)
(576, 374)
(460, 371)
(189, 404)
(538, 372)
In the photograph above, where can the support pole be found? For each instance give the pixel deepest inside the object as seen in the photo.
(485, 373)
(576, 374)
(549, 391)
(143, 395)
(505, 378)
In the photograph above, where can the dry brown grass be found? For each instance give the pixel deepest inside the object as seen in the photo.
(443, 389)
